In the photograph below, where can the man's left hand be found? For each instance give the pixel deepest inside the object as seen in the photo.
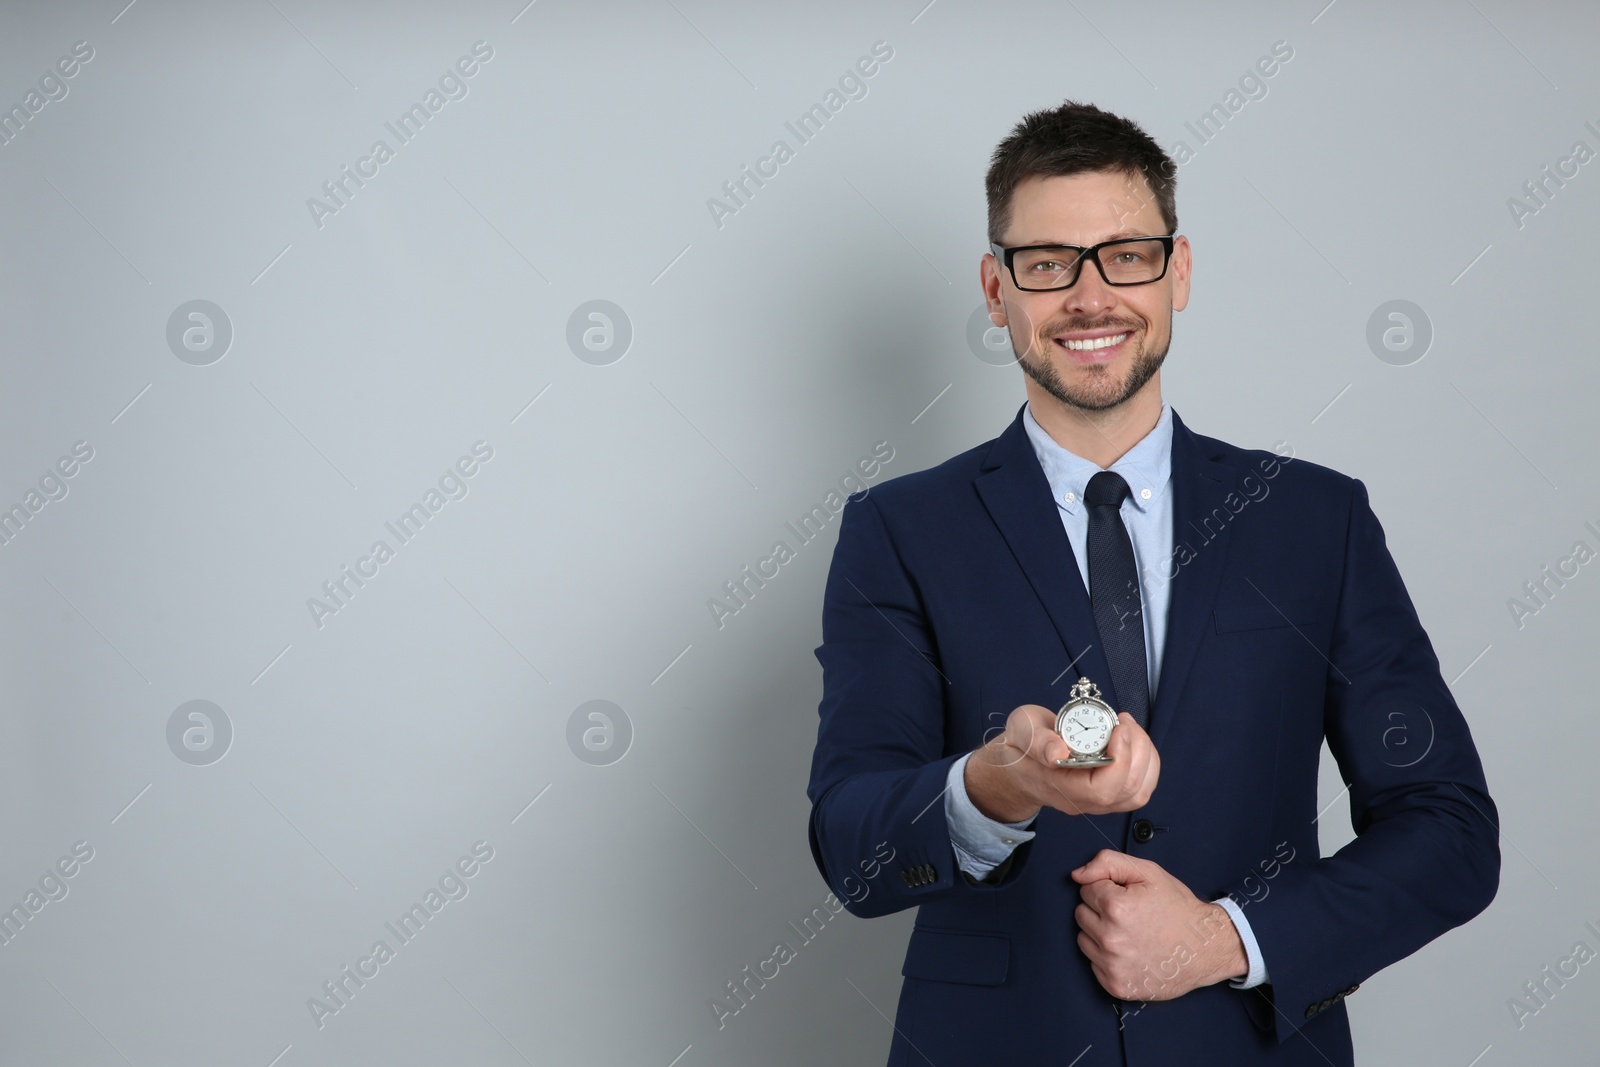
(1146, 935)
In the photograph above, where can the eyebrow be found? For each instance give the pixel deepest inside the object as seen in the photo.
(1117, 236)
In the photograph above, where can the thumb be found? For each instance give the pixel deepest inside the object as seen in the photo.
(1110, 864)
(1124, 734)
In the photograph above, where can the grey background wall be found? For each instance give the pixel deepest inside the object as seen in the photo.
(619, 463)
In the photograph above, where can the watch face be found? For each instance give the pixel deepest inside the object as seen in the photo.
(1086, 725)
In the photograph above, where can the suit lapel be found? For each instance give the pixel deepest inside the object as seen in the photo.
(1200, 485)
(1017, 495)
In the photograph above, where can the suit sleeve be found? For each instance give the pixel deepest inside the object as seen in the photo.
(879, 770)
(1426, 857)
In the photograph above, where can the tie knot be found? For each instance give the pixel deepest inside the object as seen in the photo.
(1107, 487)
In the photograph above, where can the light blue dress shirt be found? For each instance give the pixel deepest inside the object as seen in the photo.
(982, 843)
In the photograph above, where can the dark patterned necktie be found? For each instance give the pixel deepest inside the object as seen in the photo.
(1114, 595)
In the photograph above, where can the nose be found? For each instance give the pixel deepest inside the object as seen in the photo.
(1089, 295)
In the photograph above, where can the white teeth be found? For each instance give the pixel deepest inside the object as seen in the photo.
(1094, 343)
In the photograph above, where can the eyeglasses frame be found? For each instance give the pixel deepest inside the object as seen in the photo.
(1006, 255)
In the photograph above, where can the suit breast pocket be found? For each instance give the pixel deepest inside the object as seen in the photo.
(1230, 616)
(957, 956)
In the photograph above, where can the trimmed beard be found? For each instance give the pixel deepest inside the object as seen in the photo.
(1098, 396)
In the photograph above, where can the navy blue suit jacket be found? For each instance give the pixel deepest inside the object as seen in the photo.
(953, 597)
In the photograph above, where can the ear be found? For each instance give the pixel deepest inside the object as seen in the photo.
(1181, 268)
(989, 270)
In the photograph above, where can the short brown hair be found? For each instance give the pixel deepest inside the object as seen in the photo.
(1073, 139)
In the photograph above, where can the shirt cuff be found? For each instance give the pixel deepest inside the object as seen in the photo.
(981, 843)
(1252, 951)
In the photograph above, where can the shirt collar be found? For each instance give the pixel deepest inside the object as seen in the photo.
(1146, 467)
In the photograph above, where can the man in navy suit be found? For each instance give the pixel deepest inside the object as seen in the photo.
(1236, 606)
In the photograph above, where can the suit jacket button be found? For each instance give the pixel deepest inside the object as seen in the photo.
(1143, 830)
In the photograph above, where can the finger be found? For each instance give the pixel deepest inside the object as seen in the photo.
(1129, 735)
(1134, 730)
(1101, 975)
(1008, 746)
(1152, 773)
(1063, 776)
(1139, 757)
(1091, 922)
(1119, 867)
(1037, 725)
(1101, 895)
(1109, 779)
(1093, 895)
(1144, 766)
(1053, 746)
(1127, 757)
(1095, 869)
(1092, 949)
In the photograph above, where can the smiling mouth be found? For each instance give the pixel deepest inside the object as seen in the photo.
(1093, 344)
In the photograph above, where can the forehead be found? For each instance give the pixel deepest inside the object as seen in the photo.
(1081, 209)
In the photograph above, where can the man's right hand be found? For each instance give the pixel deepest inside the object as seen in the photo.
(1014, 774)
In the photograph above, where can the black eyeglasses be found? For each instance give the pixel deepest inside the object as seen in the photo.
(1134, 261)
